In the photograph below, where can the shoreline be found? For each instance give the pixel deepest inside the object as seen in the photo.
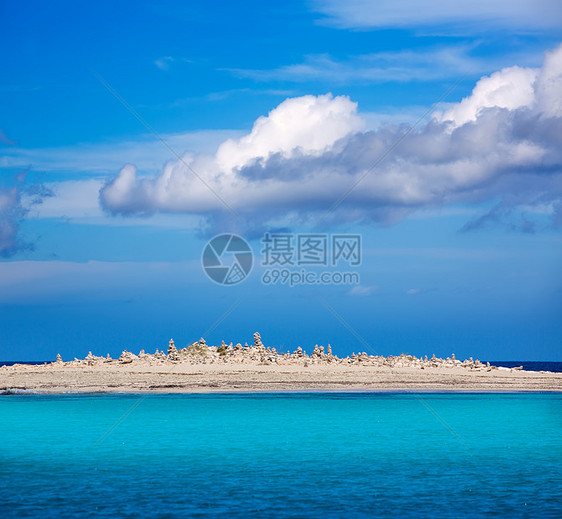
(238, 392)
(179, 378)
(200, 369)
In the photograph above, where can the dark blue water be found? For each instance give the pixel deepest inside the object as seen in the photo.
(530, 365)
(281, 455)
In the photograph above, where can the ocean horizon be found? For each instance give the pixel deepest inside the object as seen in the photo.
(281, 455)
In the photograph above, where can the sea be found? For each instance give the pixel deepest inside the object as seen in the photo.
(282, 455)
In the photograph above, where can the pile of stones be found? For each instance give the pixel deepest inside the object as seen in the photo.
(200, 352)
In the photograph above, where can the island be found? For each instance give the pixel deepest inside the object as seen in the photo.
(201, 368)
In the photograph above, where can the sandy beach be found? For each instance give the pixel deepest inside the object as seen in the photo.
(241, 377)
(201, 368)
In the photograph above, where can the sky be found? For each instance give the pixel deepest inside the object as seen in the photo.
(131, 134)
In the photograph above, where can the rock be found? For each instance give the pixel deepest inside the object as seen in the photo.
(173, 354)
(200, 353)
(221, 350)
(125, 357)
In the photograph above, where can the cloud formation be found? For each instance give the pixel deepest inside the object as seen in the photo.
(510, 88)
(12, 212)
(307, 125)
(480, 15)
(428, 64)
(503, 142)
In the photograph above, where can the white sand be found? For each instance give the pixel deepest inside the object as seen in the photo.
(168, 377)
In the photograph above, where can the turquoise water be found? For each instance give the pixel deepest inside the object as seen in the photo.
(281, 455)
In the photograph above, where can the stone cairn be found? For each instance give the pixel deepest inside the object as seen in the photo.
(261, 353)
(201, 353)
(159, 355)
(126, 357)
(90, 359)
(173, 354)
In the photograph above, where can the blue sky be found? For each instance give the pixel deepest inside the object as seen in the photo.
(446, 121)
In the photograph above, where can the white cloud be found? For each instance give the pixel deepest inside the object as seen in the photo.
(510, 88)
(70, 199)
(78, 201)
(408, 65)
(478, 15)
(88, 165)
(548, 85)
(363, 291)
(305, 124)
(502, 142)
